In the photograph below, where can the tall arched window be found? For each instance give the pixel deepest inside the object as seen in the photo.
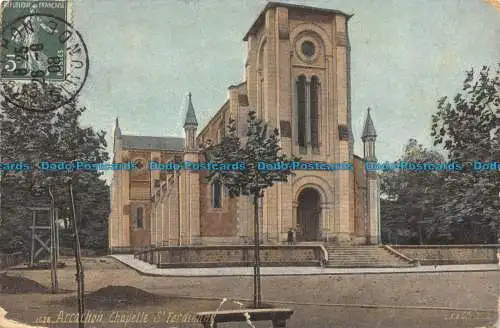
(301, 110)
(219, 136)
(314, 114)
(216, 194)
(222, 129)
(261, 76)
(138, 217)
(261, 94)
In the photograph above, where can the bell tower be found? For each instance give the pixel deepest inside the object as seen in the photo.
(298, 80)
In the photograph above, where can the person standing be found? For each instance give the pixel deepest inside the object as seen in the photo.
(290, 236)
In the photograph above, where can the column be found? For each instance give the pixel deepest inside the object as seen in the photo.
(125, 219)
(295, 206)
(271, 83)
(285, 214)
(251, 69)
(343, 186)
(295, 115)
(194, 208)
(178, 208)
(373, 210)
(155, 216)
(325, 221)
(170, 214)
(181, 194)
(190, 202)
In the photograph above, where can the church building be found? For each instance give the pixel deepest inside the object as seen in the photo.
(297, 79)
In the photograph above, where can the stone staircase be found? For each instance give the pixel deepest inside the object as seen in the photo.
(364, 256)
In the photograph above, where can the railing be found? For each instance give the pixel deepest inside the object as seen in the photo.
(401, 255)
(9, 260)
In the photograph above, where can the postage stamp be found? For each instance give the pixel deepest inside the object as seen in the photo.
(45, 62)
(11, 12)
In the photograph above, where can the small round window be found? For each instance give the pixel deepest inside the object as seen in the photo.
(139, 164)
(308, 48)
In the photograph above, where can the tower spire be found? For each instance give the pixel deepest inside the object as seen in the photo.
(369, 129)
(190, 120)
(368, 137)
(190, 126)
(118, 131)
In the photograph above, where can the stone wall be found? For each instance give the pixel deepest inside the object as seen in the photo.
(450, 254)
(126, 250)
(65, 251)
(240, 255)
(216, 222)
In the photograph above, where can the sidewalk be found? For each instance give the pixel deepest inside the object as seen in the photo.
(151, 270)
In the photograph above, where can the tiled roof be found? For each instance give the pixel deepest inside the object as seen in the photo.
(152, 143)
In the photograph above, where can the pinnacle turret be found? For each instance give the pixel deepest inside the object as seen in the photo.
(369, 129)
(190, 119)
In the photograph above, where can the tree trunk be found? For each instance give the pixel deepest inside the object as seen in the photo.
(257, 286)
(79, 266)
(53, 245)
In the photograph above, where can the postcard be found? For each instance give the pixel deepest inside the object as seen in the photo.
(188, 163)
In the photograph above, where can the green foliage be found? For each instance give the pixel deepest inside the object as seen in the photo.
(54, 136)
(411, 201)
(464, 206)
(260, 146)
(468, 129)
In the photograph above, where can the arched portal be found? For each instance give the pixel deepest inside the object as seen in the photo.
(309, 215)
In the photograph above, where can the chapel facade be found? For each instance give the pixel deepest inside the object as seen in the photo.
(297, 79)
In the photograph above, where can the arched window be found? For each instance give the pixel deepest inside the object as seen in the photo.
(138, 217)
(301, 110)
(314, 114)
(260, 78)
(216, 194)
(222, 131)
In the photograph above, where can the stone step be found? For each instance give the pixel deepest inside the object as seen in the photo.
(363, 256)
(359, 258)
(354, 252)
(370, 265)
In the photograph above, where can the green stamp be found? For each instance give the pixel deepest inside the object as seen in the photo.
(39, 54)
(44, 61)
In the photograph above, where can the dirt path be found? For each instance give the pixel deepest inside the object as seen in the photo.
(316, 300)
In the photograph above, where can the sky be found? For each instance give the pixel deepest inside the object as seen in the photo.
(145, 56)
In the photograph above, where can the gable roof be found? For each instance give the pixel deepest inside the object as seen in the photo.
(152, 143)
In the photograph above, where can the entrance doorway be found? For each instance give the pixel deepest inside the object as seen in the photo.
(308, 215)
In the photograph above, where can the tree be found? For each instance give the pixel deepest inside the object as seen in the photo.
(468, 129)
(260, 146)
(56, 136)
(411, 199)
